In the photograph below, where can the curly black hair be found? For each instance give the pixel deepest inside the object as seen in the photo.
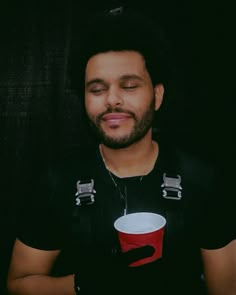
(109, 31)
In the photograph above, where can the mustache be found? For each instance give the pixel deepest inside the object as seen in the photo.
(115, 110)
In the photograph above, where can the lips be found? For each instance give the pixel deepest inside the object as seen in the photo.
(115, 118)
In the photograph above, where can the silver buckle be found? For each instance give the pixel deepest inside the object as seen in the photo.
(116, 11)
(171, 187)
(85, 192)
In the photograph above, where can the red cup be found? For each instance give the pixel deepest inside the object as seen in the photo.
(140, 229)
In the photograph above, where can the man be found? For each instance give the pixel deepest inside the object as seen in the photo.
(67, 243)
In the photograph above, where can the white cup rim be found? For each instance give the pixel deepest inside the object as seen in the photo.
(134, 217)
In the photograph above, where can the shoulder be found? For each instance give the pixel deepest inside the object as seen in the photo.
(192, 166)
(80, 157)
(200, 178)
(196, 166)
(77, 163)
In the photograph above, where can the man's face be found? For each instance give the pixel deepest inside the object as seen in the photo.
(119, 97)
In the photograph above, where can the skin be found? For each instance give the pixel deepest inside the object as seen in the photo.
(118, 82)
(29, 273)
(220, 269)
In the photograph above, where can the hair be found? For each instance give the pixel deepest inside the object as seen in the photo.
(108, 31)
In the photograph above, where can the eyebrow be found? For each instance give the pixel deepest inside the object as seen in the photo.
(94, 81)
(122, 78)
(131, 77)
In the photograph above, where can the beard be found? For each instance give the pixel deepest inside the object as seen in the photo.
(139, 130)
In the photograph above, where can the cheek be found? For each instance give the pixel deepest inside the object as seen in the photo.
(93, 106)
(142, 102)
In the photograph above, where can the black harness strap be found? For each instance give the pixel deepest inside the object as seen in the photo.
(172, 192)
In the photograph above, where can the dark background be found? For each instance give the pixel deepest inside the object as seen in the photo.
(40, 115)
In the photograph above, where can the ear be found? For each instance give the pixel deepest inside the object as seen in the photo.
(158, 93)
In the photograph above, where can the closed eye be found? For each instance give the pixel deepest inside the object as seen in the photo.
(97, 90)
(96, 86)
(131, 87)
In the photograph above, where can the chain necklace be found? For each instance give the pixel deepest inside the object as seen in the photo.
(124, 195)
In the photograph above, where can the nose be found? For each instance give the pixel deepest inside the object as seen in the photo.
(114, 97)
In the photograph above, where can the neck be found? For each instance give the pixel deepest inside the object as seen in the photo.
(135, 160)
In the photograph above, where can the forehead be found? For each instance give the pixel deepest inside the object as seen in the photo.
(114, 64)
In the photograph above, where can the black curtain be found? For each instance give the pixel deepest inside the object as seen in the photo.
(40, 116)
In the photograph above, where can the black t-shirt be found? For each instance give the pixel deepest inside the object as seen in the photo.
(194, 222)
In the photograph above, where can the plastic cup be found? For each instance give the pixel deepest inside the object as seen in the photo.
(139, 229)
